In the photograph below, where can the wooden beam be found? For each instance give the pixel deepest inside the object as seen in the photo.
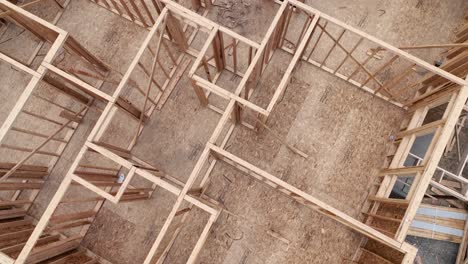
(401, 171)
(119, 151)
(101, 183)
(71, 117)
(16, 223)
(82, 200)
(14, 235)
(5, 259)
(53, 249)
(37, 175)
(37, 134)
(306, 199)
(461, 256)
(13, 186)
(38, 116)
(42, 223)
(55, 83)
(433, 161)
(393, 201)
(203, 236)
(380, 258)
(385, 45)
(96, 176)
(176, 77)
(12, 213)
(14, 63)
(58, 219)
(78, 83)
(13, 203)
(37, 26)
(66, 259)
(74, 46)
(292, 65)
(71, 225)
(227, 95)
(422, 129)
(9, 165)
(381, 217)
(449, 191)
(40, 241)
(176, 32)
(40, 146)
(150, 80)
(218, 51)
(435, 46)
(390, 84)
(130, 108)
(40, 97)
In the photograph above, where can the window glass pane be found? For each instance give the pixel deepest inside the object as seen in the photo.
(418, 150)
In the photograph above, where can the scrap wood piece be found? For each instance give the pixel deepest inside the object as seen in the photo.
(278, 236)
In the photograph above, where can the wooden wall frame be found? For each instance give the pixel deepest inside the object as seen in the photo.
(169, 23)
(25, 176)
(113, 105)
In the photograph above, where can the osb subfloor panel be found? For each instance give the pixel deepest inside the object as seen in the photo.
(344, 131)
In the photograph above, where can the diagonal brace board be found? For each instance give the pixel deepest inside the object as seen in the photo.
(304, 198)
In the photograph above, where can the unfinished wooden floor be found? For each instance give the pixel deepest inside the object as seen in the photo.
(235, 195)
